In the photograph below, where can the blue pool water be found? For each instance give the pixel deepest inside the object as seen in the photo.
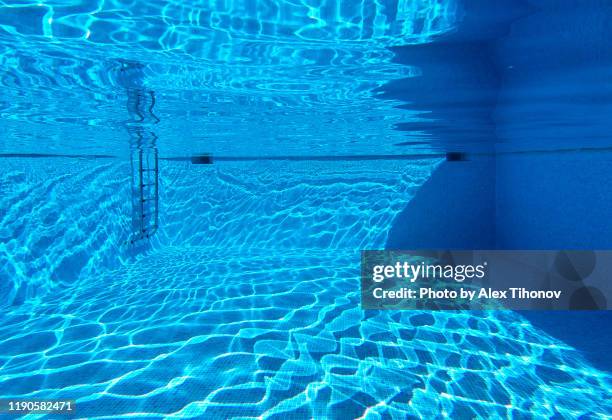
(244, 300)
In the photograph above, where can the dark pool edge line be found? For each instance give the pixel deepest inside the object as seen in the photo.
(51, 155)
(310, 158)
(238, 158)
(321, 157)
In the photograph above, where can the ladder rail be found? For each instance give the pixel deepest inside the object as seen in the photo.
(141, 189)
(156, 221)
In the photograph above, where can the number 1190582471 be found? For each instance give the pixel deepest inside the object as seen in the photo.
(33, 406)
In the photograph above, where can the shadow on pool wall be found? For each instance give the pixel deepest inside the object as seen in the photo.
(538, 169)
(539, 114)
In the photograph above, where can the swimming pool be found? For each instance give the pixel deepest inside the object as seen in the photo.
(141, 282)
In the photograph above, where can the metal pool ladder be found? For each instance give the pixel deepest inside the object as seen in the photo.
(143, 150)
(145, 193)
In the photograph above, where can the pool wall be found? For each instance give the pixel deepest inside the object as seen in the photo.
(554, 201)
(275, 205)
(537, 171)
(60, 219)
(554, 102)
(82, 217)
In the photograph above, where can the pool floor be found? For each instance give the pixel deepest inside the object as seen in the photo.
(246, 302)
(189, 332)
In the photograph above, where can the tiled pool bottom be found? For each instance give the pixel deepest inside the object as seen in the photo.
(189, 332)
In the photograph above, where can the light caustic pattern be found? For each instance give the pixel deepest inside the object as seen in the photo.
(59, 218)
(223, 72)
(264, 318)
